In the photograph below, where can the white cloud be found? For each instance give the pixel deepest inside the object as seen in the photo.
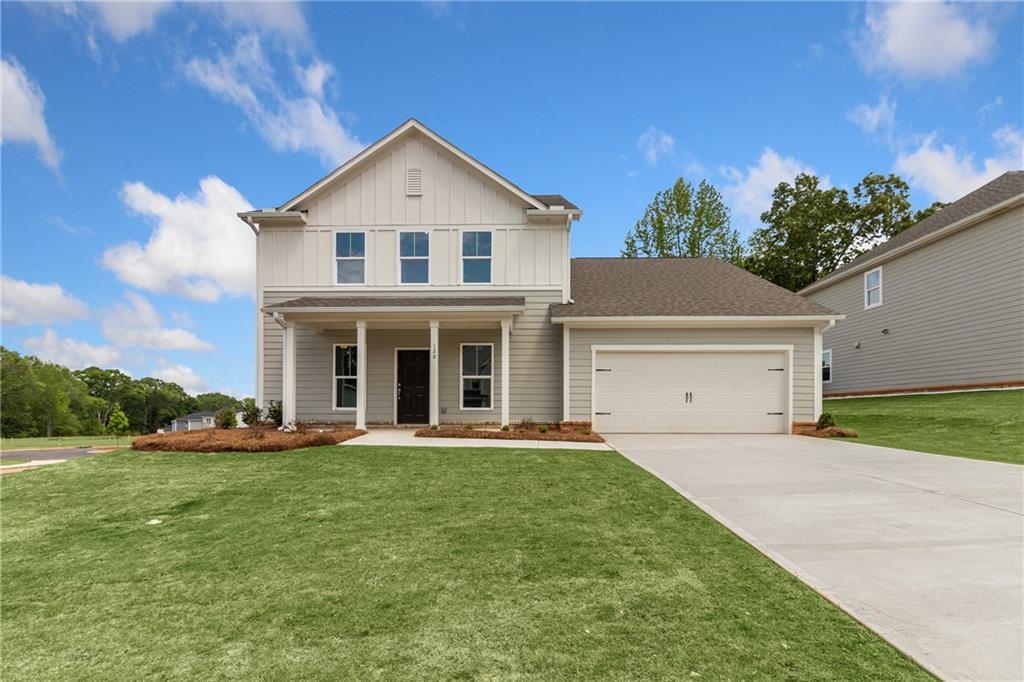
(23, 120)
(26, 303)
(922, 39)
(947, 173)
(70, 352)
(198, 249)
(750, 193)
(284, 19)
(304, 122)
(880, 118)
(986, 109)
(654, 144)
(138, 324)
(123, 20)
(184, 376)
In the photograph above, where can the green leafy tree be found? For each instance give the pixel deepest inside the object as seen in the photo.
(216, 401)
(681, 221)
(111, 386)
(18, 390)
(117, 423)
(810, 230)
(225, 418)
(252, 415)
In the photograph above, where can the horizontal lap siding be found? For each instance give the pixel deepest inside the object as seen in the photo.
(954, 310)
(802, 340)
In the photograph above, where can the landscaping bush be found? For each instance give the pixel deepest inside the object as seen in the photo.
(825, 421)
(260, 439)
(542, 428)
(274, 414)
(453, 431)
(252, 415)
(505, 427)
(526, 424)
(225, 418)
(468, 427)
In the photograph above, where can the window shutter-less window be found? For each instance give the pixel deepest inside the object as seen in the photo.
(414, 182)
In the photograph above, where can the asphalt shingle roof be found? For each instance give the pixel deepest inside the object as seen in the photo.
(550, 200)
(616, 287)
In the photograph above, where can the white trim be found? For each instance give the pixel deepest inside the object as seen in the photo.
(655, 321)
(411, 124)
(383, 288)
(288, 378)
(460, 234)
(970, 220)
(361, 363)
(881, 298)
(365, 257)
(399, 257)
(831, 360)
(259, 326)
(394, 380)
(476, 376)
(335, 376)
(434, 397)
(698, 348)
(506, 342)
(817, 375)
(566, 376)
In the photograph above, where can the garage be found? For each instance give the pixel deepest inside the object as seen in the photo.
(692, 389)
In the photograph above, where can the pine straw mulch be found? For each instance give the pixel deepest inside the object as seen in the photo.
(830, 432)
(566, 435)
(259, 439)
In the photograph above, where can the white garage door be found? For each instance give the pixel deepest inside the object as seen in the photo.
(690, 392)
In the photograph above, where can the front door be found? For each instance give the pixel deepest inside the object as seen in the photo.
(413, 380)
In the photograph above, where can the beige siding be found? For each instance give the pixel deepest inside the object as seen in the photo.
(802, 340)
(954, 311)
(535, 366)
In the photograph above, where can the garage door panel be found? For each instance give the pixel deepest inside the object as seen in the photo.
(732, 392)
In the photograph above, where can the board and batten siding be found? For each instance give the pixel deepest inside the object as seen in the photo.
(953, 311)
(535, 365)
(801, 338)
(521, 255)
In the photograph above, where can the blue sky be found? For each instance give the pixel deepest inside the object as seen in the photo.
(133, 133)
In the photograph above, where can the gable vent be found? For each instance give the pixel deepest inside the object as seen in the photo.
(414, 182)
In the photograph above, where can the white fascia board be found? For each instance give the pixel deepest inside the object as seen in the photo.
(695, 321)
(397, 309)
(254, 219)
(872, 263)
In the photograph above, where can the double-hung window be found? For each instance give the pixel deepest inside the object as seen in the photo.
(350, 257)
(345, 382)
(826, 366)
(414, 257)
(477, 376)
(476, 257)
(873, 288)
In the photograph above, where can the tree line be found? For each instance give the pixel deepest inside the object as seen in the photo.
(40, 398)
(808, 232)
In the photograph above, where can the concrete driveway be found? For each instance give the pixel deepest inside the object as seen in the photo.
(926, 550)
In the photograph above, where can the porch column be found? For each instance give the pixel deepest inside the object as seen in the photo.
(287, 378)
(434, 410)
(505, 328)
(360, 374)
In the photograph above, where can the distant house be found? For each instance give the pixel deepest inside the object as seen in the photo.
(192, 422)
(940, 306)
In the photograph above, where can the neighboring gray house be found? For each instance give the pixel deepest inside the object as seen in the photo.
(414, 285)
(939, 306)
(192, 422)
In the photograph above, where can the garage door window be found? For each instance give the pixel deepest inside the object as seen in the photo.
(826, 366)
(477, 376)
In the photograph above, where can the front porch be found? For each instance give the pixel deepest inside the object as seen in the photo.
(366, 360)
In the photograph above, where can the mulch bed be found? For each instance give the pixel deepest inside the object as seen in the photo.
(568, 436)
(260, 439)
(830, 432)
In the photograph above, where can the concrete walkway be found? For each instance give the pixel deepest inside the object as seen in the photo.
(926, 550)
(406, 437)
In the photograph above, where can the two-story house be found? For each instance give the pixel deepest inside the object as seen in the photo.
(415, 285)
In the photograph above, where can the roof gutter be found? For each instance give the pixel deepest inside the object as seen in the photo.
(255, 218)
(697, 320)
(961, 224)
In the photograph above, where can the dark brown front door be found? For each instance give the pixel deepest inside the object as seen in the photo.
(413, 379)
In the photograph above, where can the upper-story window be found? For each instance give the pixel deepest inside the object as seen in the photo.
(476, 257)
(873, 288)
(350, 257)
(414, 257)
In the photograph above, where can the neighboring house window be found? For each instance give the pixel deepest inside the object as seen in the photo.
(476, 257)
(873, 288)
(826, 366)
(350, 256)
(414, 257)
(477, 376)
(344, 377)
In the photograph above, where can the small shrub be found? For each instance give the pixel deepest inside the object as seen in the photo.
(825, 421)
(225, 418)
(434, 427)
(586, 432)
(526, 424)
(505, 428)
(252, 415)
(275, 415)
(468, 427)
(543, 428)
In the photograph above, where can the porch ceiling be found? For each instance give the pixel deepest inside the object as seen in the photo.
(396, 311)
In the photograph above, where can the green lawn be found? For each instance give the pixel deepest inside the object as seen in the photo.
(4, 461)
(398, 563)
(8, 444)
(979, 425)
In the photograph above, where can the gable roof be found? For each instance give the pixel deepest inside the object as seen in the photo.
(412, 124)
(550, 200)
(676, 287)
(1007, 189)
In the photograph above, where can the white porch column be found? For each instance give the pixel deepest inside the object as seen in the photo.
(434, 393)
(817, 373)
(288, 378)
(506, 326)
(566, 385)
(360, 374)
